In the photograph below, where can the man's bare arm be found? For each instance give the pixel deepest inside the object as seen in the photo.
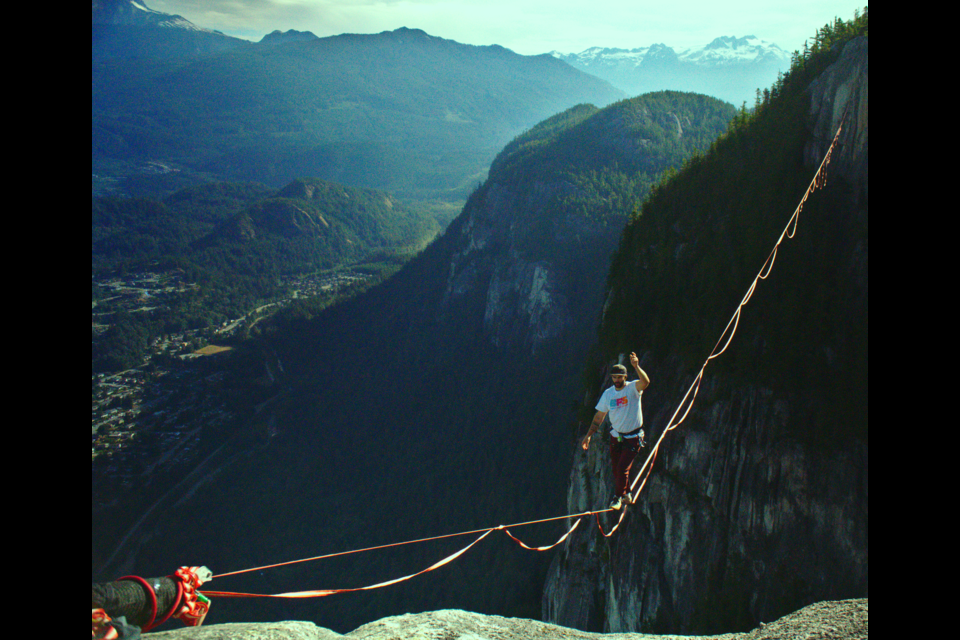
(643, 380)
(594, 425)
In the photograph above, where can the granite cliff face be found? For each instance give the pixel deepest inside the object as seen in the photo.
(845, 620)
(533, 243)
(523, 284)
(842, 89)
(517, 276)
(740, 521)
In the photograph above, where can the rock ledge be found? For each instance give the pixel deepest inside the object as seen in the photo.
(838, 620)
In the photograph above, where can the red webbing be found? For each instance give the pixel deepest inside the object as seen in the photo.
(398, 544)
(562, 538)
(320, 593)
(818, 180)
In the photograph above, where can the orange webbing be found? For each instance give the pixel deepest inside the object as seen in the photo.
(319, 593)
(649, 469)
(623, 512)
(818, 181)
(399, 544)
(346, 553)
(562, 538)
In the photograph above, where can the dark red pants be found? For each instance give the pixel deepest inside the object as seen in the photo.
(622, 455)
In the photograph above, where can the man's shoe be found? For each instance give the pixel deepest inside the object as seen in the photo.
(616, 503)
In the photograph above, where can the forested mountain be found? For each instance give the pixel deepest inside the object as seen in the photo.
(758, 502)
(440, 400)
(235, 242)
(401, 111)
(309, 224)
(446, 399)
(320, 225)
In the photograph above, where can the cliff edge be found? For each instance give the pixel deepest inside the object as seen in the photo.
(839, 620)
(759, 503)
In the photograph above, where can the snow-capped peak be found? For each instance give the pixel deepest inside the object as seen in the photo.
(137, 5)
(136, 12)
(723, 50)
(734, 50)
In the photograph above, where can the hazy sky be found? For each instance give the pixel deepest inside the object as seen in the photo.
(527, 26)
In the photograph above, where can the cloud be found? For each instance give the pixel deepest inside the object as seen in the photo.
(528, 26)
(250, 15)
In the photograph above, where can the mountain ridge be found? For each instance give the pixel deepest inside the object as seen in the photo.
(298, 213)
(388, 420)
(401, 111)
(759, 501)
(516, 278)
(136, 13)
(727, 67)
(728, 49)
(290, 35)
(129, 30)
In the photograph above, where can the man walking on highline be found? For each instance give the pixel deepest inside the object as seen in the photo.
(622, 402)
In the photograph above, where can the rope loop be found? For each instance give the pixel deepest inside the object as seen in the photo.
(623, 512)
(796, 218)
(151, 594)
(735, 320)
(770, 260)
(547, 548)
(195, 605)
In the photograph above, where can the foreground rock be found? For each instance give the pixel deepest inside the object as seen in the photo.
(841, 620)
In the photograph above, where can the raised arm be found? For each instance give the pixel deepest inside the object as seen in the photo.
(643, 380)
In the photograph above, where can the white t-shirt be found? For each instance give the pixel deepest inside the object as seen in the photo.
(622, 407)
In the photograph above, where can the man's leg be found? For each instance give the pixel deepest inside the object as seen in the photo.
(622, 456)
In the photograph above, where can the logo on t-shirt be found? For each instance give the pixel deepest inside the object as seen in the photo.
(618, 402)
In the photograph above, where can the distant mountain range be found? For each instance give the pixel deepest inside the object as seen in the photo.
(728, 68)
(401, 111)
(447, 399)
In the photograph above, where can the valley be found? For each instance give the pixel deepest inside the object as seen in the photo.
(147, 411)
(193, 389)
(457, 310)
(366, 288)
